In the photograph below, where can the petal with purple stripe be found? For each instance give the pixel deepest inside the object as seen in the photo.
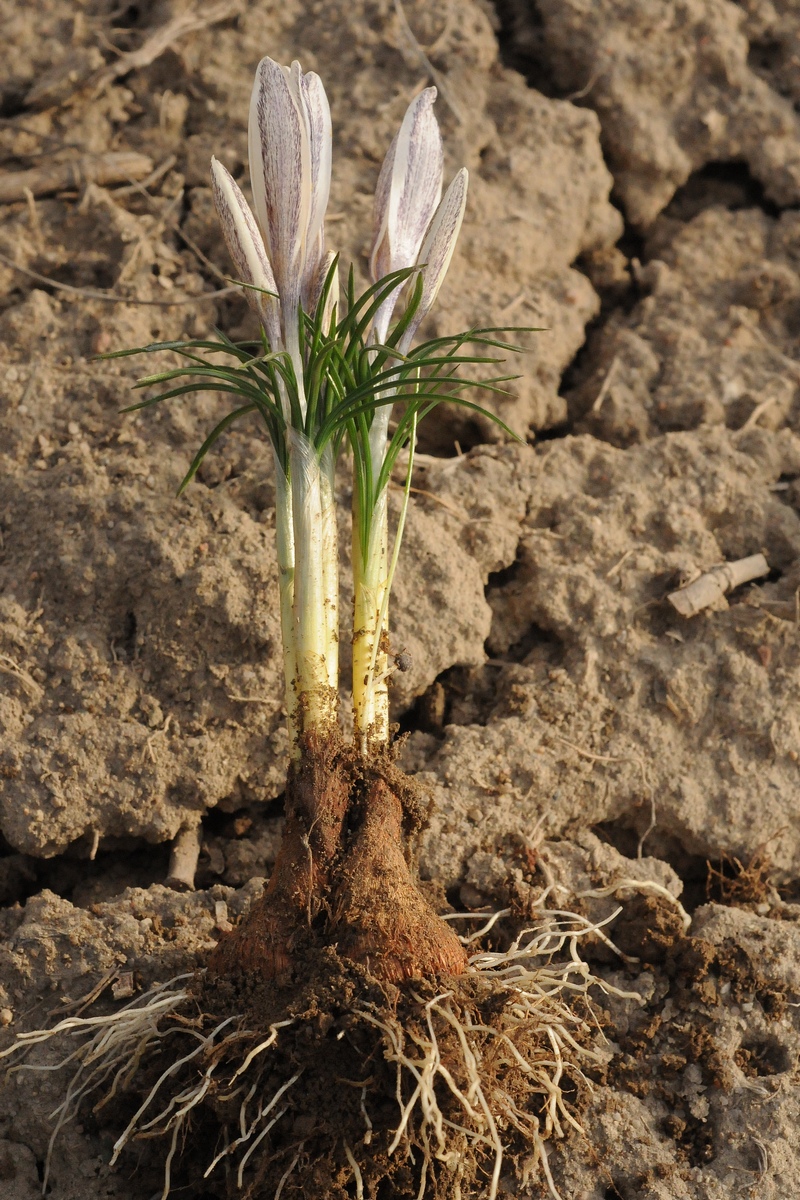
(437, 249)
(246, 248)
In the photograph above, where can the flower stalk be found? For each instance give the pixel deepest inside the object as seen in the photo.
(370, 632)
(315, 600)
(411, 228)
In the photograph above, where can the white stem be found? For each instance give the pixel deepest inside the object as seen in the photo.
(370, 660)
(401, 524)
(330, 567)
(379, 431)
(284, 538)
(315, 600)
(373, 586)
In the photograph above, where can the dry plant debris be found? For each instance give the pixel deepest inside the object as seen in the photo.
(710, 587)
(103, 169)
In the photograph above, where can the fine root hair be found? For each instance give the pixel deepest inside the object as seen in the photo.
(502, 1073)
(436, 1087)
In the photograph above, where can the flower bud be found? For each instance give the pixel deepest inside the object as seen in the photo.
(408, 191)
(290, 171)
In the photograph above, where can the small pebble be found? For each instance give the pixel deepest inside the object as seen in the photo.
(124, 987)
(221, 921)
(6, 1016)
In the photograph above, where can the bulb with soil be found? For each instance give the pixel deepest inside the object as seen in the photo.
(342, 878)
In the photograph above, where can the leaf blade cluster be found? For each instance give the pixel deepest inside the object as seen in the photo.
(347, 378)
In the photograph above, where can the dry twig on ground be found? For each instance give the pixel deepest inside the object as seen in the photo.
(712, 585)
(81, 80)
(115, 167)
(112, 297)
(162, 38)
(183, 859)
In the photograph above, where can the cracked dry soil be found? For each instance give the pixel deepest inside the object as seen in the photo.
(635, 181)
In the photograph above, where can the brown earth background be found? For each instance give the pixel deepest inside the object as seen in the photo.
(635, 190)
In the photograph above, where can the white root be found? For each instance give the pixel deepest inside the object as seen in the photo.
(172, 1069)
(359, 1178)
(116, 1040)
(259, 1049)
(255, 1144)
(450, 1066)
(168, 1163)
(538, 986)
(484, 929)
(639, 885)
(284, 1177)
(368, 1123)
(113, 1047)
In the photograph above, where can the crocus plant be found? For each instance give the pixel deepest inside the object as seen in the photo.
(311, 983)
(325, 377)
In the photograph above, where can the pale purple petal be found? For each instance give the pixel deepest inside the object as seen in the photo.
(318, 124)
(409, 188)
(408, 191)
(290, 168)
(279, 172)
(437, 249)
(380, 255)
(246, 248)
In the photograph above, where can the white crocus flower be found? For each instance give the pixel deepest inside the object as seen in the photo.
(290, 173)
(246, 248)
(408, 190)
(373, 575)
(437, 249)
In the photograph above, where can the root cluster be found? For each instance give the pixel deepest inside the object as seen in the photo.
(332, 1083)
